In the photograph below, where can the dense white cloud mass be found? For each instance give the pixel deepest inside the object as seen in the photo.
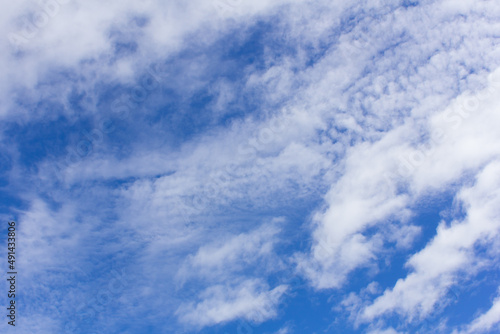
(217, 146)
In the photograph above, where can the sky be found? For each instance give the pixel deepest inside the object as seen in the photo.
(237, 166)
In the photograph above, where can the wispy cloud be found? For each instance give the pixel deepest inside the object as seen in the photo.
(486, 321)
(217, 146)
(251, 300)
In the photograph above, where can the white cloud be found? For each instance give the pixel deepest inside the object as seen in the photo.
(384, 331)
(48, 238)
(486, 321)
(81, 36)
(251, 300)
(220, 260)
(354, 115)
(284, 330)
(220, 265)
(383, 178)
(451, 251)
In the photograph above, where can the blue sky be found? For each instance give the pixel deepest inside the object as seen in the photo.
(234, 166)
